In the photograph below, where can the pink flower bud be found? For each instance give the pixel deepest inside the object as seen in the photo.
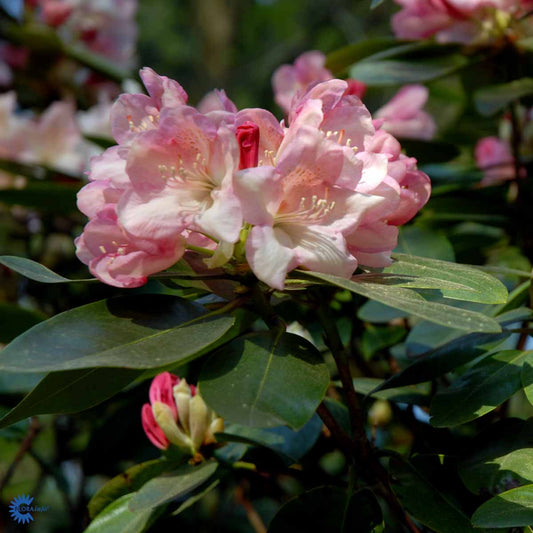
(248, 138)
(178, 415)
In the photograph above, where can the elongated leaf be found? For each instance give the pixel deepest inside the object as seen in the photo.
(453, 354)
(33, 270)
(527, 380)
(15, 320)
(417, 395)
(129, 481)
(168, 487)
(425, 501)
(376, 3)
(71, 391)
(479, 390)
(117, 518)
(513, 508)
(424, 243)
(135, 331)
(417, 70)
(46, 196)
(339, 60)
(413, 303)
(265, 379)
(195, 498)
(328, 509)
(479, 286)
(500, 457)
(408, 281)
(493, 99)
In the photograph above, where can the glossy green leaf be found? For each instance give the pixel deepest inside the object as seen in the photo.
(117, 518)
(46, 196)
(422, 242)
(168, 487)
(479, 286)
(195, 498)
(513, 508)
(135, 331)
(372, 311)
(425, 501)
(415, 304)
(501, 456)
(455, 353)
(71, 391)
(493, 99)
(527, 380)
(339, 60)
(412, 282)
(479, 390)
(265, 379)
(400, 71)
(129, 481)
(15, 320)
(289, 444)
(328, 509)
(414, 394)
(33, 270)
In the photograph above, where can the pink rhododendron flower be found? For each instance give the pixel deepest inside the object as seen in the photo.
(494, 157)
(403, 115)
(460, 21)
(309, 68)
(325, 193)
(178, 415)
(494, 154)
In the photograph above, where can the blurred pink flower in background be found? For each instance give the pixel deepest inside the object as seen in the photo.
(290, 80)
(459, 21)
(403, 116)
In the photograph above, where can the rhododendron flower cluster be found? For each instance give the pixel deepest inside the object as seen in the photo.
(461, 21)
(494, 154)
(325, 192)
(178, 415)
(403, 115)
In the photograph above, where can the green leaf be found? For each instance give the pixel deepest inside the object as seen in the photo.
(168, 487)
(134, 331)
(425, 501)
(372, 311)
(401, 71)
(15, 320)
(376, 3)
(71, 391)
(453, 354)
(46, 196)
(33, 270)
(328, 509)
(129, 481)
(478, 286)
(265, 379)
(339, 60)
(493, 99)
(117, 518)
(501, 456)
(527, 380)
(513, 508)
(414, 394)
(414, 304)
(195, 498)
(423, 242)
(479, 390)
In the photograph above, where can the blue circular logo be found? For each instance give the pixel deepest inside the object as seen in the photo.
(19, 509)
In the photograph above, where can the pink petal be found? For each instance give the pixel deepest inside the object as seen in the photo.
(151, 428)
